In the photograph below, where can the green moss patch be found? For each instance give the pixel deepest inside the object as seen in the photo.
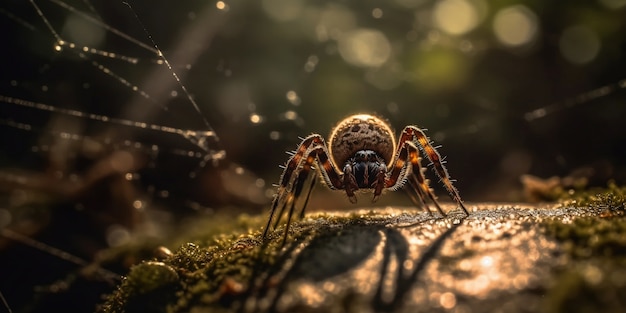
(593, 276)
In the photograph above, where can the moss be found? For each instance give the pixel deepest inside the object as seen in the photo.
(593, 277)
(611, 200)
(202, 273)
(215, 271)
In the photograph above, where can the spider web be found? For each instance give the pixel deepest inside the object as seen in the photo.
(205, 140)
(248, 108)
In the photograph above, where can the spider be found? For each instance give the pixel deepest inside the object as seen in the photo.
(361, 154)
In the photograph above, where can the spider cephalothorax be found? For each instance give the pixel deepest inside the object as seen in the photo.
(361, 154)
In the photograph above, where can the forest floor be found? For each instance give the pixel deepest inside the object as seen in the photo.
(569, 256)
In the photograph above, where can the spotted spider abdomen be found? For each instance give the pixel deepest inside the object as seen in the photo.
(361, 132)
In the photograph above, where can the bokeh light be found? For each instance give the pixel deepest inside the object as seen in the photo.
(438, 69)
(80, 31)
(283, 10)
(333, 22)
(365, 47)
(579, 44)
(455, 17)
(515, 26)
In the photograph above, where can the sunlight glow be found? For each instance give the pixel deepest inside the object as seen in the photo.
(83, 32)
(255, 118)
(221, 5)
(455, 17)
(311, 63)
(447, 300)
(117, 235)
(290, 115)
(410, 4)
(311, 295)
(333, 22)
(515, 26)
(283, 10)
(122, 161)
(377, 13)
(293, 97)
(365, 47)
(579, 44)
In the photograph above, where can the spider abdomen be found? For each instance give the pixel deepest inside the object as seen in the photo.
(361, 132)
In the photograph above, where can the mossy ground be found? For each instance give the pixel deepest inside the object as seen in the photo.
(227, 265)
(594, 277)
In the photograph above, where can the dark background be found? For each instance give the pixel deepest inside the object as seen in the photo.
(469, 90)
(240, 60)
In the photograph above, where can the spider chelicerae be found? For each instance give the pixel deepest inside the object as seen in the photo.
(361, 154)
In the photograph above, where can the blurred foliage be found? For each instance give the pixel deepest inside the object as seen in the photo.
(266, 72)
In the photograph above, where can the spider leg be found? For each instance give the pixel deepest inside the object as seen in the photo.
(420, 195)
(403, 170)
(311, 151)
(416, 177)
(298, 186)
(283, 204)
(284, 193)
(415, 135)
(349, 182)
(290, 197)
(330, 174)
(308, 195)
(277, 199)
(379, 184)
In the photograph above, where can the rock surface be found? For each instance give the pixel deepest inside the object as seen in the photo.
(501, 258)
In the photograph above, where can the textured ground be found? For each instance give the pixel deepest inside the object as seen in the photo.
(502, 258)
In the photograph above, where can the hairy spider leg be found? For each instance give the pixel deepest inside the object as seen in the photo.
(400, 172)
(416, 177)
(300, 180)
(349, 182)
(312, 149)
(285, 185)
(298, 186)
(379, 184)
(308, 195)
(297, 190)
(420, 195)
(417, 136)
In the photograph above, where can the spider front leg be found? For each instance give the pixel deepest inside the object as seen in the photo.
(311, 151)
(417, 137)
(349, 182)
(416, 177)
(407, 166)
